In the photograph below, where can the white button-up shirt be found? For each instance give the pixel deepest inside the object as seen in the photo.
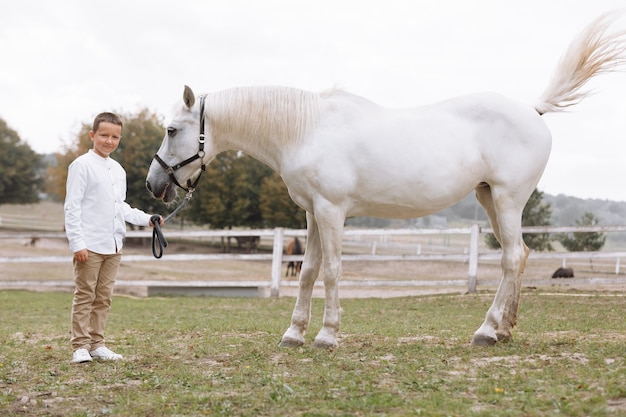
(95, 208)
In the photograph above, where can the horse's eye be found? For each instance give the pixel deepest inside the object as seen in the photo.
(171, 131)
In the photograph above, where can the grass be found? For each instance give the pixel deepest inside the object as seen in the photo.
(397, 357)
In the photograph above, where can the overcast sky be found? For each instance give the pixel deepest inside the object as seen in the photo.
(64, 61)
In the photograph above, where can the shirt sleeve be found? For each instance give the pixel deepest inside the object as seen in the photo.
(135, 216)
(75, 190)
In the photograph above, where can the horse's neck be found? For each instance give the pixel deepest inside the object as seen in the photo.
(267, 153)
(262, 122)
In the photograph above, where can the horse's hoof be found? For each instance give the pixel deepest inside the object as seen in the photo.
(504, 337)
(290, 343)
(324, 344)
(482, 340)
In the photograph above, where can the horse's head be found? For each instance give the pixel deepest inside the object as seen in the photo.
(184, 152)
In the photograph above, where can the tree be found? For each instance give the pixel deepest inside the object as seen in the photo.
(239, 191)
(229, 193)
(20, 177)
(57, 173)
(536, 213)
(277, 208)
(583, 241)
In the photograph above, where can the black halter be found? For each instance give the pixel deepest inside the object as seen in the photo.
(199, 155)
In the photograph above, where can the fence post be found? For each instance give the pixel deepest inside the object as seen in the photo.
(277, 261)
(473, 258)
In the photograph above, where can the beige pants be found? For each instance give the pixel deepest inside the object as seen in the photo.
(94, 281)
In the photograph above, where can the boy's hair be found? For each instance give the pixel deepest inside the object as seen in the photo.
(106, 117)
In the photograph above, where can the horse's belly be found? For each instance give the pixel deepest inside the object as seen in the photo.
(408, 202)
(411, 184)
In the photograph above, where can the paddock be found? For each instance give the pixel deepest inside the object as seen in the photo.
(220, 356)
(378, 263)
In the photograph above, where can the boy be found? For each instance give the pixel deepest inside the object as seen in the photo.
(95, 216)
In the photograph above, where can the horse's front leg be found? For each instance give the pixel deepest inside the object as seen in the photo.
(502, 315)
(294, 336)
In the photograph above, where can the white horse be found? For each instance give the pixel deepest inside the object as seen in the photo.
(341, 155)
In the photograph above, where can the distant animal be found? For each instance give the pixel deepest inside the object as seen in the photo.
(294, 248)
(563, 273)
(341, 155)
(249, 243)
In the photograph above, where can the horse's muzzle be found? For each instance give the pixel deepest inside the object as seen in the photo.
(166, 193)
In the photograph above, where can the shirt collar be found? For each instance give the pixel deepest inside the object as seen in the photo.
(94, 154)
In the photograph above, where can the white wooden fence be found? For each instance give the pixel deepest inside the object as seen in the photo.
(278, 235)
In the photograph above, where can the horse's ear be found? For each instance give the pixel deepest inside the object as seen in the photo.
(188, 97)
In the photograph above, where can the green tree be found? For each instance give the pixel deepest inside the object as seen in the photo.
(536, 213)
(20, 176)
(229, 194)
(277, 208)
(583, 241)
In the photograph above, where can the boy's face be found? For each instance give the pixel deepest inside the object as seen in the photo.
(106, 139)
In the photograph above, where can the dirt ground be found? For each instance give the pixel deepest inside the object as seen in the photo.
(446, 277)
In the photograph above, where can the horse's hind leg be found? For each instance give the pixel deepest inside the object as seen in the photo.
(294, 336)
(484, 197)
(505, 214)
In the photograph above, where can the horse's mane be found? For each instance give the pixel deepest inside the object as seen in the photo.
(278, 113)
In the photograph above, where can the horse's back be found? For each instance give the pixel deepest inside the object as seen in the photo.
(488, 117)
(481, 118)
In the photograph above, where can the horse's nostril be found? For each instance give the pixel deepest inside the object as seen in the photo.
(148, 186)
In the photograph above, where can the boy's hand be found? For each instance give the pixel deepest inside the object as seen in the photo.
(154, 218)
(81, 256)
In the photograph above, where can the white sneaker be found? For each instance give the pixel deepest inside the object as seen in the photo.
(81, 356)
(105, 354)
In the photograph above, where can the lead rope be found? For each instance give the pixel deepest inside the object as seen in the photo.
(158, 238)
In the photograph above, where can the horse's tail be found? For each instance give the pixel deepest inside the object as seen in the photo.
(594, 51)
(298, 248)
